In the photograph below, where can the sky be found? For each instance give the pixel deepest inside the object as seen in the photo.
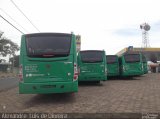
(109, 25)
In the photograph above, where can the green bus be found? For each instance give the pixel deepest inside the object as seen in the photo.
(48, 63)
(145, 67)
(131, 64)
(112, 65)
(92, 65)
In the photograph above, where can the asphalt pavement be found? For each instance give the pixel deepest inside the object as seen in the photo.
(7, 83)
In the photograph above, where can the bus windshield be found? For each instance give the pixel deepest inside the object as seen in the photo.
(43, 46)
(91, 56)
(132, 58)
(111, 59)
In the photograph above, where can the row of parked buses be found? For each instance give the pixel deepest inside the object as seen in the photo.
(96, 66)
(49, 64)
(129, 64)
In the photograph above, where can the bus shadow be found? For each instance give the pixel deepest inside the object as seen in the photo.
(63, 98)
(130, 78)
(89, 83)
(113, 77)
(124, 78)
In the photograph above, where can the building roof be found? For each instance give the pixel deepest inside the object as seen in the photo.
(149, 53)
(138, 49)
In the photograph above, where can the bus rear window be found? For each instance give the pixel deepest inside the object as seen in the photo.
(132, 58)
(91, 56)
(111, 59)
(43, 46)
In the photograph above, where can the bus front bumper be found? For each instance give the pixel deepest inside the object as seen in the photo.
(49, 87)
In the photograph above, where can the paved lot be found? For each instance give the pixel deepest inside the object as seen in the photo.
(8, 83)
(139, 94)
(4, 75)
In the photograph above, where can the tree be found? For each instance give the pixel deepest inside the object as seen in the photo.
(2, 60)
(7, 47)
(15, 61)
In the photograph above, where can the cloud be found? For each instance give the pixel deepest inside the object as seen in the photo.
(155, 27)
(133, 32)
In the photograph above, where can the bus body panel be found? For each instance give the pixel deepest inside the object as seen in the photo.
(132, 68)
(145, 66)
(48, 75)
(112, 65)
(44, 71)
(113, 69)
(92, 71)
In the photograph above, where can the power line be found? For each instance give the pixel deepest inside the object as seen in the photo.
(24, 15)
(13, 20)
(11, 24)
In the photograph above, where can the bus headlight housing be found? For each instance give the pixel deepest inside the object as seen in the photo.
(75, 77)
